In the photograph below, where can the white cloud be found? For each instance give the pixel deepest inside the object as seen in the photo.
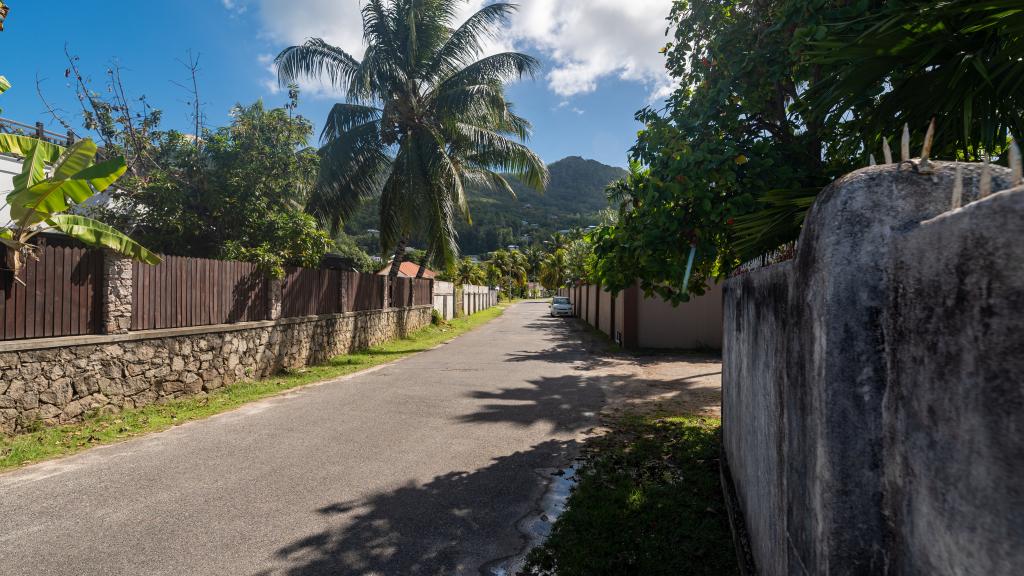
(592, 40)
(237, 6)
(586, 41)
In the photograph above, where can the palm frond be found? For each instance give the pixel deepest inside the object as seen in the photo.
(490, 149)
(501, 67)
(352, 168)
(344, 117)
(315, 59)
(466, 42)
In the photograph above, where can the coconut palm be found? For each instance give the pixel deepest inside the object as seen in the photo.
(554, 270)
(425, 119)
(508, 267)
(534, 259)
(468, 272)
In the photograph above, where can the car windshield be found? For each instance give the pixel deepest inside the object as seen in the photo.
(561, 300)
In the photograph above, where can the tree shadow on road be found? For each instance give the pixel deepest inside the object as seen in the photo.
(566, 403)
(567, 341)
(451, 525)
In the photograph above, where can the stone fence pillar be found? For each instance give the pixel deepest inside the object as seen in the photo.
(276, 300)
(117, 293)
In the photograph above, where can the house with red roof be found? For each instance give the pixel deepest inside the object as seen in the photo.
(408, 270)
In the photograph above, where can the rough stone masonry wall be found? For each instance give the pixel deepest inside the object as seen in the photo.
(872, 392)
(58, 380)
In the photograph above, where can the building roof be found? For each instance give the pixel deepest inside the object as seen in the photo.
(408, 270)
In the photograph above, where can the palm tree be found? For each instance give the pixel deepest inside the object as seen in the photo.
(425, 118)
(509, 268)
(534, 259)
(468, 272)
(554, 270)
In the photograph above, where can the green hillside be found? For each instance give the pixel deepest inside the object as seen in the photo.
(573, 198)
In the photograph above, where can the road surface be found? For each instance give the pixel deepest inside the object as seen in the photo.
(423, 466)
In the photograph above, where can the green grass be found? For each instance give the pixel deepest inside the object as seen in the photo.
(47, 443)
(648, 502)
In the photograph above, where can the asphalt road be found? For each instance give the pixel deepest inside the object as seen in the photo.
(423, 466)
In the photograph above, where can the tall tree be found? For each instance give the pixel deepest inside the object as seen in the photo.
(425, 118)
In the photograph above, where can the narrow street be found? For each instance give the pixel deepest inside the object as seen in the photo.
(423, 466)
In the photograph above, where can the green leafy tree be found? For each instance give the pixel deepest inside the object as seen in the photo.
(580, 261)
(534, 260)
(776, 100)
(237, 194)
(425, 119)
(958, 61)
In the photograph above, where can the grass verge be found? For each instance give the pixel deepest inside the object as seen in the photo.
(648, 502)
(96, 430)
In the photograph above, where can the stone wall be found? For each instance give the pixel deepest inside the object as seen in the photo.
(872, 397)
(58, 380)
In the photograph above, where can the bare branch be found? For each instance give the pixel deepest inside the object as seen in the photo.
(50, 109)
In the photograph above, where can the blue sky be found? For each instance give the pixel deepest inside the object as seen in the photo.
(600, 60)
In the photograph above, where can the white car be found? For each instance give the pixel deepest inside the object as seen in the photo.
(560, 306)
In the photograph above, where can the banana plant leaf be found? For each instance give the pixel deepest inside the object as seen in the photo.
(54, 195)
(5, 85)
(95, 233)
(33, 170)
(19, 145)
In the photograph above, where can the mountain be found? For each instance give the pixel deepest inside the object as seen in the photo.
(574, 197)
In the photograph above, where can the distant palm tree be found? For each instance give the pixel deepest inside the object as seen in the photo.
(554, 270)
(509, 268)
(425, 118)
(558, 240)
(534, 259)
(469, 272)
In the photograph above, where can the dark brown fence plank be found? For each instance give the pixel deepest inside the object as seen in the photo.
(308, 292)
(50, 302)
(182, 292)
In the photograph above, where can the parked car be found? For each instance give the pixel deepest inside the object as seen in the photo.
(560, 306)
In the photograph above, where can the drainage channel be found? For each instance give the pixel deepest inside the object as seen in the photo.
(537, 526)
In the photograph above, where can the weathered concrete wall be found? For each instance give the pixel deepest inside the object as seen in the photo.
(444, 299)
(58, 380)
(812, 362)
(604, 316)
(477, 298)
(752, 414)
(954, 406)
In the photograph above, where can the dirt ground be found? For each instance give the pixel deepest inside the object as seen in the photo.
(672, 384)
(652, 382)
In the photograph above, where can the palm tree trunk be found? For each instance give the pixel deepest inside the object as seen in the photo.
(420, 272)
(396, 263)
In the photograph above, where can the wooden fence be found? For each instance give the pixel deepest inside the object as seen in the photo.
(181, 292)
(420, 288)
(60, 295)
(309, 292)
(363, 291)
